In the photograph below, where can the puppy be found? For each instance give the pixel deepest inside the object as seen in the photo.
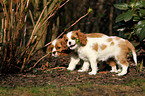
(75, 59)
(58, 47)
(92, 49)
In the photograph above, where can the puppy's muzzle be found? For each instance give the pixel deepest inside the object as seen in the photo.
(54, 52)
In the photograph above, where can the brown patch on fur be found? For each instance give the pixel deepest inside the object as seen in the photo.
(123, 60)
(49, 50)
(61, 47)
(125, 46)
(65, 38)
(103, 46)
(95, 35)
(111, 62)
(95, 47)
(112, 43)
(81, 36)
(109, 39)
(62, 44)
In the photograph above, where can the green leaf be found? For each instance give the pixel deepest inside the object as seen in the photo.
(132, 0)
(143, 3)
(136, 18)
(135, 5)
(140, 24)
(128, 15)
(90, 10)
(142, 12)
(142, 34)
(123, 6)
(120, 17)
(137, 31)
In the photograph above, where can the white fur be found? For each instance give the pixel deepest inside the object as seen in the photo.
(54, 49)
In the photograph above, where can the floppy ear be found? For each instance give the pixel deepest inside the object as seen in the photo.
(49, 49)
(64, 37)
(82, 37)
(64, 45)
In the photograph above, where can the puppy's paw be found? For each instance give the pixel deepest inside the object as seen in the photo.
(121, 74)
(115, 71)
(92, 73)
(119, 70)
(71, 69)
(82, 70)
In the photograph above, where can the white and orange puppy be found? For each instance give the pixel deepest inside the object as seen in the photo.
(75, 59)
(58, 47)
(92, 49)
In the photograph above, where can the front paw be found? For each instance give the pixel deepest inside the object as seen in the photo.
(92, 73)
(82, 70)
(116, 71)
(71, 69)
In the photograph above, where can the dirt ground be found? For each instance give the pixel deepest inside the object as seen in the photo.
(54, 72)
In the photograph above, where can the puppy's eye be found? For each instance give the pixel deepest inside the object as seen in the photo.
(58, 47)
(66, 40)
(74, 38)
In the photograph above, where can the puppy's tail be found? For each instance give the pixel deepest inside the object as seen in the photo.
(131, 47)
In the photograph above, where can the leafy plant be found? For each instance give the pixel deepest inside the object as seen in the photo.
(135, 12)
(15, 50)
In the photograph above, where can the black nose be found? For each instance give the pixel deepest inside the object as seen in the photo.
(53, 52)
(69, 43)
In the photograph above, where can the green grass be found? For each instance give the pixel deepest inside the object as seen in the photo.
(133, 88)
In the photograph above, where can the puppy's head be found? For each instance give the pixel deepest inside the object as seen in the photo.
(58, 47)
(74, 39)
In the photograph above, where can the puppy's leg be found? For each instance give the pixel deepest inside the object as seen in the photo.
(113, 66)
(124, 70)
(122, 61)
(73, 62)
(85, 67)
(93, 66)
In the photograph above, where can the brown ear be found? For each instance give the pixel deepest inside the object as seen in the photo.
(82, 37)
(49, 48)
(64, 45)
(79, 30)
(64, 37)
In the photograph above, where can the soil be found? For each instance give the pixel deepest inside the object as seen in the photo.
(53, 71)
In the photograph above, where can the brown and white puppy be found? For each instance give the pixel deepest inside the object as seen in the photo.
(75, 59)
(58, 47)
(93, 49)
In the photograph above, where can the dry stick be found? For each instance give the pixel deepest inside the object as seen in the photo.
(29, 42)
(56, 68)
(64, 3)
(32, 18)
(40, 37)
(27, 46)
(52, 14)
(36, 25)
(24, 34)
(44, 21)
(49, 18)
(36, 62)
